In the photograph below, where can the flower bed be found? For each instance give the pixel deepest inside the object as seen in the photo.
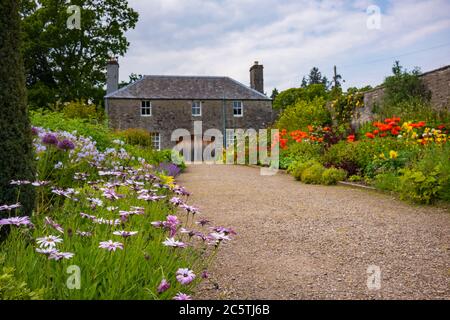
(107, 225)
(408, 157)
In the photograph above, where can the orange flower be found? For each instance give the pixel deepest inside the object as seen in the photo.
(310, 128)
(370, 135)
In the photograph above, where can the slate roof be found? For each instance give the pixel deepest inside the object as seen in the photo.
(187, 88)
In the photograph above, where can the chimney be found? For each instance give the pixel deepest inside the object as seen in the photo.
(112, 75)
(257, 77)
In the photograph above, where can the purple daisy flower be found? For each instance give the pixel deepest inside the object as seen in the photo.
(46, 251)
(111, 245)
(203, 222)
(163, 286)
(52, 223)
(16, 221)
(10, 207)
(171, 242)
(185, 276)
(49, 241)
(176, 201)
(60, 255)
(182, 296)
(125, 234)
(84, 233)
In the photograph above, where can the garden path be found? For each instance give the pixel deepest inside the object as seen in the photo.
(299, 241)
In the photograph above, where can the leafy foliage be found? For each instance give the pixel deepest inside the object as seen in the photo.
(304, 113)
(404, 87)
(66, 65)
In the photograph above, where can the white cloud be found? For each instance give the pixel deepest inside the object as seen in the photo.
(224, 37)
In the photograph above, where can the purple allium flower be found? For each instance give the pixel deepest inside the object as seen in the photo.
(16, 221)
(10, 207)
(185, 276)
(60, 255)
(125, 234)
(163, 286)
(182, 296)
(49, 241)
(50, 138)
(52, 223)
(171, 242)
(111, 245)
(66, 144)
(203, 222)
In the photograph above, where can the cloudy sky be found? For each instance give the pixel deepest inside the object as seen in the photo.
(225, 37)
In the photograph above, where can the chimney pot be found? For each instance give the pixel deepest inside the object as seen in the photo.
(257, 77)
(112, 75)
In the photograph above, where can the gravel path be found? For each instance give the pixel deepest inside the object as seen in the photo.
(297, 241)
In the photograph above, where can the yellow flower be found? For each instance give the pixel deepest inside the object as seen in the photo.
(382, 156)
(393, 154)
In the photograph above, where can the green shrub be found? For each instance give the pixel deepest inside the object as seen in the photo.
(17, 158)
(136, 137)
(313, 174)
(387, 181)
(355, 178)
(304, 113)
(82, 110)
(428, 179)
(13, 289)
(333, 176)
(297, 168)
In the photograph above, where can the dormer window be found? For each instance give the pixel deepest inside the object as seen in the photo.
(238, 109)
(146, 108)
(196, 108)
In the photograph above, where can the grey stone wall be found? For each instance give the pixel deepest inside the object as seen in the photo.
(168, 115)
(437, 81)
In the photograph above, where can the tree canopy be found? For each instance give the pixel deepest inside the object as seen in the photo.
(65, 64)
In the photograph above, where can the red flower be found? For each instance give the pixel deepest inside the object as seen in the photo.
(370, 135)
(351, 138)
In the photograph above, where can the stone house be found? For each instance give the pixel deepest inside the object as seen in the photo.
(162, 104)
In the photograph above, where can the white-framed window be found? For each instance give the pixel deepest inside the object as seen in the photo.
(156, 141)
(238, 109)
(196, 108)
(230, 135)
(146, 108)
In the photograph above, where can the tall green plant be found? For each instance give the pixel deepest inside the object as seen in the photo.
(16, 156)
